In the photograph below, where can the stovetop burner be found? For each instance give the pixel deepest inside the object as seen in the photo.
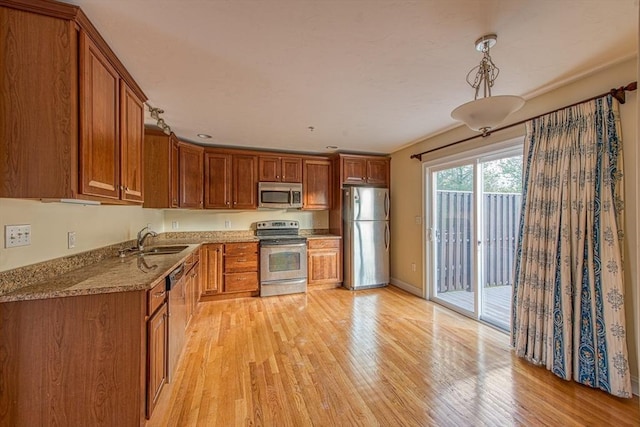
(279, 232)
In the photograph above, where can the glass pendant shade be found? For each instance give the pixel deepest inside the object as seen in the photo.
(484, 114)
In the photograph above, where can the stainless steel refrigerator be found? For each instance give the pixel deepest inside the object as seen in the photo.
(366, 237)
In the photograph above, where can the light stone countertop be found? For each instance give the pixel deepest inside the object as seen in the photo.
(131, 273)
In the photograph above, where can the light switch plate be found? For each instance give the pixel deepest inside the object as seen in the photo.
(17, 235)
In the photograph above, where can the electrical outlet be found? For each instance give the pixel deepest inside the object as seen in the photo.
(418, 220)
(17, 235)
(227, 224)
(413, 266)
(71, 239)
(174, 225)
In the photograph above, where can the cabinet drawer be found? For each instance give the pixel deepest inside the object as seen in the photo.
(323, 243)
(241, 282)
(234, 249)
(156, 297)
(236, 264)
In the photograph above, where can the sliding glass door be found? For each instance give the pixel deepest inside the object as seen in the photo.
(473, 211)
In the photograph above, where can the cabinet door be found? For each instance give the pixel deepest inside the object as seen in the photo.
(317, 184)
(291, 168)
(212, 266)
(378, 172)
(191, 175)
(157, 332)
(99, 118)
(324, 266)
(354, 170)
(131, 137)
(217, 181)
(174, 174)
(245, 184)
(269, 168)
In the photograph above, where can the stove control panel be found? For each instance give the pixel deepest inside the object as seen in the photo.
(277, 225)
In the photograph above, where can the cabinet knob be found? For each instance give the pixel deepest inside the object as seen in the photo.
(126, 188)
(121, 188)
(235, 203)
(226, 203)
(277, 176)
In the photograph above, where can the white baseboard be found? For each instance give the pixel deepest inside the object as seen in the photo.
(406, 287)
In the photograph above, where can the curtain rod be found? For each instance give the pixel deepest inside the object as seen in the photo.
(617, 93)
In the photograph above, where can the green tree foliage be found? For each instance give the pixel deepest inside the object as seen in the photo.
(498, 176)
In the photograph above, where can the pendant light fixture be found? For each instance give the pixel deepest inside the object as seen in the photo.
(485, 113)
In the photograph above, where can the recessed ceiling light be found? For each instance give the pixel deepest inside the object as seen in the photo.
(331, 147)
(204, 136)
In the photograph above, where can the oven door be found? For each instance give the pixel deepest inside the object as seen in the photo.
(282, 262)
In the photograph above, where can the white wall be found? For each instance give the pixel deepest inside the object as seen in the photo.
(98, 226)
(95, 226)
(204, 220)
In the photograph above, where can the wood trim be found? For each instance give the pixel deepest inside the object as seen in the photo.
(75, 13)
(44, 7)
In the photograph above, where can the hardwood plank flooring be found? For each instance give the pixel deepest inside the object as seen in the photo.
(372, 357)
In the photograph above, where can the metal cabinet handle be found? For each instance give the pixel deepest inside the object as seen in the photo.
(160, 294)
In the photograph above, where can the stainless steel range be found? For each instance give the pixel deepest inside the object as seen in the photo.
(283, 258)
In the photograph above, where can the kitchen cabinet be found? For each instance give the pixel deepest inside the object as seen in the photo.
(157, 345)
(279, 169)
(191, 175)
(192, 285)
(316, 185)
(161, 180)
(74, 361)
(230, 180)
(177, 323)
(70, 127)
(211, 261)
(324, 261)
(364, 170)
(241, 267)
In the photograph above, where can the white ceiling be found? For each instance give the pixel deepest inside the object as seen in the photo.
(368, 75)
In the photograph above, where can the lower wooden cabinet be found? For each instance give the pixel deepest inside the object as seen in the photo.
(211, 260)
(229, 268)
(157, 341)
(324, 261)
(241, 267)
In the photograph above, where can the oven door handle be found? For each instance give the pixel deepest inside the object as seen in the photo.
(279, 245)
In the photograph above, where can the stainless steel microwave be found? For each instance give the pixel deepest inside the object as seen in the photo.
(279, 195)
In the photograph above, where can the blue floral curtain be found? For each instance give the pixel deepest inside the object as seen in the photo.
(568, 310)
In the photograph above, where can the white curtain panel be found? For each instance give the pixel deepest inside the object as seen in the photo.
(568, 310)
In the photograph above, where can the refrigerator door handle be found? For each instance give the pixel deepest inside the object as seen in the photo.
(386, 205)
(387, 237)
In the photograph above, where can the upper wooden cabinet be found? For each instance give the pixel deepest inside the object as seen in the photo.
(70, 127)
(161, 179)
(364, 170)
(230, 180)
(316, 186)
(131, 145)
(191, 175)
(279, 169)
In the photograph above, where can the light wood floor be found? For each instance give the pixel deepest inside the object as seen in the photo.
(372, 357)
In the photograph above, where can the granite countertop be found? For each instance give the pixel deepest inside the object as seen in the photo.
(131, 273)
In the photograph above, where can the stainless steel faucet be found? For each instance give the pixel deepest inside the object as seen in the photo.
(142, 237)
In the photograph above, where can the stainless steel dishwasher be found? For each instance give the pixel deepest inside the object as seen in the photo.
(177, 309)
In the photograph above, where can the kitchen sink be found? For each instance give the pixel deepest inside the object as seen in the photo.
(164, 250)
